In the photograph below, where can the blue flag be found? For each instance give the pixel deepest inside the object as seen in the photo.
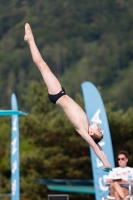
(96, 113)
(15, 152)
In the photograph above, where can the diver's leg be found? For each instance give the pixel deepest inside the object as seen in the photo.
(50, 80)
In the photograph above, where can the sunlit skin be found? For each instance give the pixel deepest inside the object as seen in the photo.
(95, 129)
(73, 111)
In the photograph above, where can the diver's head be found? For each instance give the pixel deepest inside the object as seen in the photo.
(95, 132)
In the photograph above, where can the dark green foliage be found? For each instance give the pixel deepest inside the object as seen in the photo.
(80, 41)
(89, 40)
(50, 148)
(122, 130)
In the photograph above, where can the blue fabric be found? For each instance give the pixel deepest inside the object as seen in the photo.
(96, 113)
(15, 182)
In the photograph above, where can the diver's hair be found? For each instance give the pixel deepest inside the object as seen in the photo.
(123, 152)
(97, 139)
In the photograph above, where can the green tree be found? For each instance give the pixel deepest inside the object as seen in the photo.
(59, 152)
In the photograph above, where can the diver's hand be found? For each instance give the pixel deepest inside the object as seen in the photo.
(107, 168)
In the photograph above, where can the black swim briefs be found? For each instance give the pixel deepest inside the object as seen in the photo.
(54, 97)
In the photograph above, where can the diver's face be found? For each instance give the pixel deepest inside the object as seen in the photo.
(95, 130)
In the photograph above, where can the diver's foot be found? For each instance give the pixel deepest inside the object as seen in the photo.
(28, 33)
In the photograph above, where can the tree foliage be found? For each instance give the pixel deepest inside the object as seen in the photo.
(50, 148)
(80, 41)
(89, 40)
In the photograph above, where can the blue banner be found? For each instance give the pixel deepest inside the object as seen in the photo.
(96, 113)
(15, 183)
